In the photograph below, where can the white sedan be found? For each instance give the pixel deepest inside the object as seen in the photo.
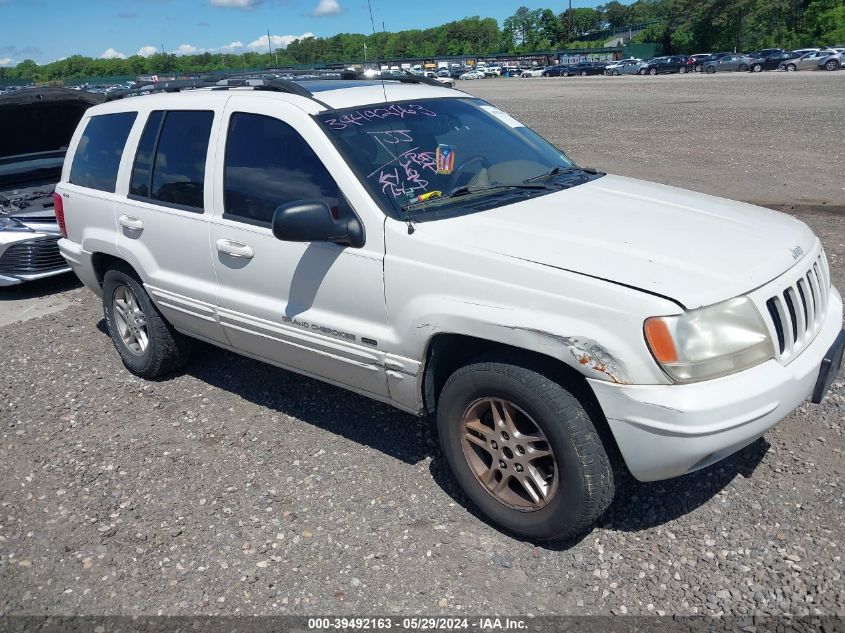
(472, 74)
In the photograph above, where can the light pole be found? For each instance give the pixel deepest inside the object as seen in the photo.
(365, 52)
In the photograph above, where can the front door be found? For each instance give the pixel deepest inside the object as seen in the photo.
(316, 308)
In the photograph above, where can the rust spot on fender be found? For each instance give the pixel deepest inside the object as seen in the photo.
(591, 355)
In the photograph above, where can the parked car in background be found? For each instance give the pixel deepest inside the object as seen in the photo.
(586, 68)
(727, 63)
(698, 60)
(769, 62)
(472, 74)
(627, 67)
(449, 82)
(612, 66)
(532, 72)
(671, 64)
(807, 61)
(36, 126)
(712, 58)
(834, 61)
(554, 71)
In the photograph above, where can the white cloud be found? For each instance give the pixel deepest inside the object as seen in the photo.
(327, 7)
(278, 41)
(230, 48)
(6, 61)
(112, 54)
(188, 49)
(147, 51)
(243, 5)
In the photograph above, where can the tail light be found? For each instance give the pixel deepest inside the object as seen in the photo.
(59, 207)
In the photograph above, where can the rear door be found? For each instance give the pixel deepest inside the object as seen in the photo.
(163, 219)
(316, 308)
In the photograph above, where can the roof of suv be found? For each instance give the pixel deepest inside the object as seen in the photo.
(314, 95)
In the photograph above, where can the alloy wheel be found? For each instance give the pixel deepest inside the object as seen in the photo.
(130, 320)
(509, 454)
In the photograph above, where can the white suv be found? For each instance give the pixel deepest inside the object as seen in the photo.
(423, 248)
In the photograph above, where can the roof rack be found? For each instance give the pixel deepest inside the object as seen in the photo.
(263, 81)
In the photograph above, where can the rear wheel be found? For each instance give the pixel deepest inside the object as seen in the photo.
(653, 71)
(148, 345)
(682, 70)
(791, 68)
(832, 65)
(583, 73)
(524, 450)
(742, 68)
(710, 70)
(641, 71)
(757, 68)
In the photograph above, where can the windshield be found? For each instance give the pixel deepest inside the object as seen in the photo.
(441, 155)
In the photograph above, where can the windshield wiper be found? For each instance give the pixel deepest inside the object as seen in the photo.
(560, 169)
(466, 190)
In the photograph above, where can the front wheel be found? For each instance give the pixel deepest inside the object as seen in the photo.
(652, 72)
(742, 68)
(710, 70)
(683, 70)
(148, 345)
(757, 68)
(791, 68)
(832, 65)
(524, 450)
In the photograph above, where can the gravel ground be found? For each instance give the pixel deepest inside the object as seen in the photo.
(240, 488)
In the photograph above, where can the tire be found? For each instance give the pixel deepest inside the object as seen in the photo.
(652, 72)
(641, 71)
(616, 73)
(791, 68)
(710, 70)
(832, 65)
(581, 484)
(682, 70)
(166, 350)
(742, 68)
(583, 73)
(757, 68)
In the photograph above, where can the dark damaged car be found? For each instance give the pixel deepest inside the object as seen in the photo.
(36, 126)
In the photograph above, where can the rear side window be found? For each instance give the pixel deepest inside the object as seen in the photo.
(170, 163)
(97, 156)
(269, 164)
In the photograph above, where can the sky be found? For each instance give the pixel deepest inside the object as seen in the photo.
(47, 30)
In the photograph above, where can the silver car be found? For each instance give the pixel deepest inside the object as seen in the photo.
(36, 126)
(626, 67)
(728, 63)
(807, 61)
(832, 61)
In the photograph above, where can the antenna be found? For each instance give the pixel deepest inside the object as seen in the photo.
(384, 91)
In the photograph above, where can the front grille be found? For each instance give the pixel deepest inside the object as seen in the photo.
(32, 257)
(798, 310)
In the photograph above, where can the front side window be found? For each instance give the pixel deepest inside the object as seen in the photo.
(268, 164)
(418, 156)
(170, 163)
(97, 158)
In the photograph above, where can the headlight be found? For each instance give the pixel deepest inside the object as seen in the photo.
(710, 342)
(11, 224)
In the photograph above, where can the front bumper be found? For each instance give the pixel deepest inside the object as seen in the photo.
(664, 431)
(27, 256)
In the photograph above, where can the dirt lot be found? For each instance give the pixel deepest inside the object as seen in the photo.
(239, 488)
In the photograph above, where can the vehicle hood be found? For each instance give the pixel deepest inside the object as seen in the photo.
(41, 119)
(690, 247)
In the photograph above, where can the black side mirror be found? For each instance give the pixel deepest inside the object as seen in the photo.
(312, 221)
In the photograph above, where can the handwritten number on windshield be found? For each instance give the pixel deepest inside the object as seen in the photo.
(361, 118)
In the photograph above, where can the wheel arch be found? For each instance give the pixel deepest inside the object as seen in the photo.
(448, 352)
(103, 262)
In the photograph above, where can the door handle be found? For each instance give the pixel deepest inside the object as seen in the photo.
(130, 222)
(235, 249)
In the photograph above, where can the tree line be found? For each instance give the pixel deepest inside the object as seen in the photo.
(679, 26)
